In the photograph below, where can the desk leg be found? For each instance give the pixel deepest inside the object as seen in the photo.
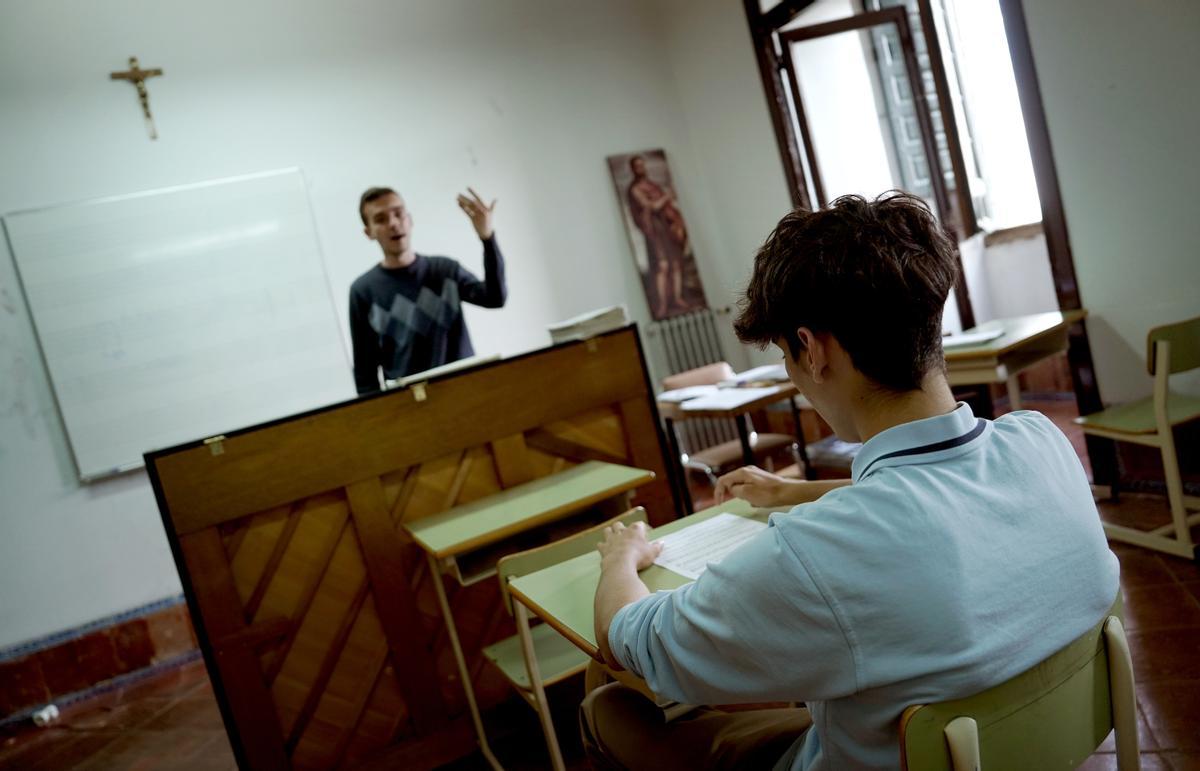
(535, 682)
(677, 470)
(744, 435)
(464, 674)
(1014, 392)
(809, 472)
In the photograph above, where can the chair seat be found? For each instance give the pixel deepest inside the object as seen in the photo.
(730, 453)
(833, 453)
(557, 657)
(1138, 417)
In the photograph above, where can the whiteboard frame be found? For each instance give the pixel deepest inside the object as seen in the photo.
(134, 465)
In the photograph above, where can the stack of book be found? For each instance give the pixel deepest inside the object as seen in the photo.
(588, 324)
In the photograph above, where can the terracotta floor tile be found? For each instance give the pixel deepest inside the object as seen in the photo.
(1160, 607)
(1106, 761)
(1140, 567)
(1183, 761)
(1183, 570)
(1172, 709)
(1146, 738)
(74, 749)
(148, 749)
(193, 712)
(1169, 654)
(1193, 588)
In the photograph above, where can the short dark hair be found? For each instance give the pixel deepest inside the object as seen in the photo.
(372, 194)
(874, 274)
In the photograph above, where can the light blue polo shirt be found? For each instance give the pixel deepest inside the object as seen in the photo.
(965, 552)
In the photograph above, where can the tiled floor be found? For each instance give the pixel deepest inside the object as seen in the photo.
(172, 722)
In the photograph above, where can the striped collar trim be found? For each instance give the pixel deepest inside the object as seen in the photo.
(921, 441)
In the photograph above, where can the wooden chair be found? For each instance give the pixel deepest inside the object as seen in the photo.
(718, 458)
(1052, 716)
(1171, 349)
(537, 656)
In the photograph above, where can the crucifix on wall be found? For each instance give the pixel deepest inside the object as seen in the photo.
(137, 76)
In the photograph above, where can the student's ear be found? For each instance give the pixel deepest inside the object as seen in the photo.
(814, 354)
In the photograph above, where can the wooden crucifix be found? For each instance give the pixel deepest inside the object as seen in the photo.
(137, 77)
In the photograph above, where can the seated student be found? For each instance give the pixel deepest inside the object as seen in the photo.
(406, 312)
(964, 552)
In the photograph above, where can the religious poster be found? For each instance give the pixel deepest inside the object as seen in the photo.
(658, 234)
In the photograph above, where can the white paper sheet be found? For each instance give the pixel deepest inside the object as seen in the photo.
(727, 398)
(691, 550)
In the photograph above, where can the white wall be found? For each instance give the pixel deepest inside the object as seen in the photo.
(1117, 81)
(521, 99)
(739, 190)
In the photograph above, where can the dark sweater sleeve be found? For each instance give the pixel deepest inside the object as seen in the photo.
(365, 344)
(492, 291)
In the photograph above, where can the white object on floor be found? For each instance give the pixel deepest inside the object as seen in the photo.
(691, 550)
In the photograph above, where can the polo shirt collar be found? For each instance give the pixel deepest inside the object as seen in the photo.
(921, 441)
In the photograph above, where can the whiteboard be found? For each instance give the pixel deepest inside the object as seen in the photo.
(177, 314)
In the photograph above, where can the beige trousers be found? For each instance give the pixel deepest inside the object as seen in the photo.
(623, 730)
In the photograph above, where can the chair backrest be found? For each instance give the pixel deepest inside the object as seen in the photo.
(525, 562)
(1052, 716)
(1184, 338)
(709, 374)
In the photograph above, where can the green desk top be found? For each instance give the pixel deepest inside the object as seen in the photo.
(562, 595)
(487, 520)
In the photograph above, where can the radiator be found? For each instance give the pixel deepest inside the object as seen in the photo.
(685, 342)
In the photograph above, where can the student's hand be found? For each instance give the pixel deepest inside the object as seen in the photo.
(627, 547)
(479, 212)
(757, 487)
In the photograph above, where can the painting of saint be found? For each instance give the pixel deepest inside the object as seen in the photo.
(658, 233)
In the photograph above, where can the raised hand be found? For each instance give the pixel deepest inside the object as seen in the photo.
(479, 212)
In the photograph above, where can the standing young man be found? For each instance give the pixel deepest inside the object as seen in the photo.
(963, 552)
(406, 312)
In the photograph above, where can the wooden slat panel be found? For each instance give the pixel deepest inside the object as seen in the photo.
(382, 550)
(317, 689)
(385, 716)
(646, 451)
(341, 583)
(434, 479)
(598, 429)
(549, 442)
(281, 544)
(483, 479)
(245, 701)
(316, 528)
(320, 567)
(258, 539)
(203, 489)
(345, 694)
(512, 467)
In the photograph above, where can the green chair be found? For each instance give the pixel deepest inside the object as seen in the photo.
(1052, 716)
(1170, 349)
(537, 656)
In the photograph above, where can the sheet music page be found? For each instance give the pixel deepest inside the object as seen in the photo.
(691, 550)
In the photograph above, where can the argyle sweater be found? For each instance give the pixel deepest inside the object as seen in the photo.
(407, 320)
